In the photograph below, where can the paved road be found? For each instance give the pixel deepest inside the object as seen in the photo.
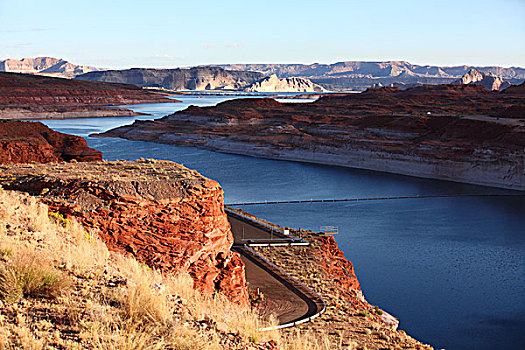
(285, 297)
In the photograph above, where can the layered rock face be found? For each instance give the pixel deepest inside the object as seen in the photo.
(197, 78)
(25, 96)
(165, 215)
(274, 84)
(455, 132)
(49, 66)
(359, 75)
(488, 80)
(25, 142)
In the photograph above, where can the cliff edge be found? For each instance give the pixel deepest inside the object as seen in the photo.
(165, 215)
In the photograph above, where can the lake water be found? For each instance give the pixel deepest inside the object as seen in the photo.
(451, 269)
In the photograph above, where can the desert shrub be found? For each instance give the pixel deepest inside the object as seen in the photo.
(28, 275)
(143, 304)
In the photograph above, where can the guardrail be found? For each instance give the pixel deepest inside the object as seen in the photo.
(313, 297)
(298, 240)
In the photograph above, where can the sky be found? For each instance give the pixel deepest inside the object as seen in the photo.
(172, 33)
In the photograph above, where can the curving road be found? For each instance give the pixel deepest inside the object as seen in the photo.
(285, 297)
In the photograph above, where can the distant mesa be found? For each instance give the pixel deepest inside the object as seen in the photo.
(49, 66)
(339, 76)
(488, 80)
(275, 84)
(196, 78)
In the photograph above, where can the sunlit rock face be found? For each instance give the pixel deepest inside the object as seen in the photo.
(165, 215)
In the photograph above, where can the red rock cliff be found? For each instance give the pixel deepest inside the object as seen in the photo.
(25, 142)
(165, 215)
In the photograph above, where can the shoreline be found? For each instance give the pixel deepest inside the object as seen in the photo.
(23, 115)
(398, 169)
(461, 172)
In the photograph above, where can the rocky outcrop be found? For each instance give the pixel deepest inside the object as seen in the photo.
(274, 84)
(334, 264)
(197, 78)
(359, 75)
(462, 133)
(163, 214)
(25, 96)
(49, 66)
(26, 142)
(488, 80)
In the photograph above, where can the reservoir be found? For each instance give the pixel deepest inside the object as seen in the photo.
(452, 269)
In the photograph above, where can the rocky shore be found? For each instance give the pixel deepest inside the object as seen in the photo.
(172, 220)
(25, 142)
(462, 133)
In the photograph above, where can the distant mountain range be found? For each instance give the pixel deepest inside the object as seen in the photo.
(359, 75)
(349, 75)
(49, 66)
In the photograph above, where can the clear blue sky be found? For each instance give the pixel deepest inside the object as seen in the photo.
(162, 33)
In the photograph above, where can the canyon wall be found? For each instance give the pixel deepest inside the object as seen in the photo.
(165, 215)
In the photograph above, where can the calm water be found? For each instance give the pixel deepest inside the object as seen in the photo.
(451, 269)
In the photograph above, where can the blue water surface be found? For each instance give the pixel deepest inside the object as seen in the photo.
(451, 269)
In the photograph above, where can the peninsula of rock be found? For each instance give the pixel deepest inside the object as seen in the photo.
(26, 142)
(462, 133)
(27, 96)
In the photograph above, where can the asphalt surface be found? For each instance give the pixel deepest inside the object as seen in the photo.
(244, 231)
(284, 297)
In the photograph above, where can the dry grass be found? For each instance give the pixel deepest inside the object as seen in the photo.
(28, 274)
(112, 301)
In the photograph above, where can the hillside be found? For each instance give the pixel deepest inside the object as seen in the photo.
(359, 75)
(48, 66)
(25, 96)
(197, 78)
(61, 288)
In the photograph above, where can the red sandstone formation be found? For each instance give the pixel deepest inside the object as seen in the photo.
(29, 96)
(25, 142)
(334, 264)
(163, 214)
